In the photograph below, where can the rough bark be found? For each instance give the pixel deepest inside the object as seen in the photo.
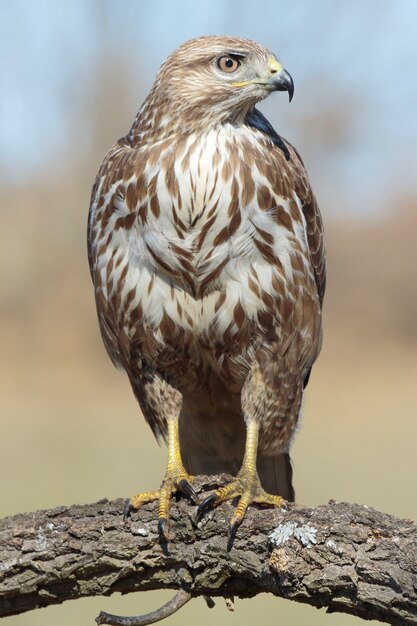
(347, 557)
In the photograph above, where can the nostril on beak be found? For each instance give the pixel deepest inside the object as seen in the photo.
(273, 71)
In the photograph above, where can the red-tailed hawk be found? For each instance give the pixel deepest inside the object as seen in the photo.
(207, 256)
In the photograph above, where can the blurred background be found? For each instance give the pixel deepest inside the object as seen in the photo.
(72, 76)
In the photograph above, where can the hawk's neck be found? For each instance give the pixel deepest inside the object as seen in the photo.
(157, 123)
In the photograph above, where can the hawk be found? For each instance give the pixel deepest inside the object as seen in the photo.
(207, 255)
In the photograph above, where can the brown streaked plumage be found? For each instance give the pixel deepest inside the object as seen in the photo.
(207, 255)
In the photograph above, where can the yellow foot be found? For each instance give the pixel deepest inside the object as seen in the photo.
(247, 487)
(176, 481)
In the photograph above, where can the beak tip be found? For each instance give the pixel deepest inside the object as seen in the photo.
(284, 82)
(290, 86)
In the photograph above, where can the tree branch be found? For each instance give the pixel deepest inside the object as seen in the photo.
(346, 557)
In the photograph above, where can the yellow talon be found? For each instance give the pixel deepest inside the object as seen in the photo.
(246, 486)
(176, 479)
(142, 498)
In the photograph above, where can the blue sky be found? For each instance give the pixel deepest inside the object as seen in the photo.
(363, 53)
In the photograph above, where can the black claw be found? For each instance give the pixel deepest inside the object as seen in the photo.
(231, 535)
(187, 489)
(209, 601)
(207, 504)
(163, 529)
(127, 509)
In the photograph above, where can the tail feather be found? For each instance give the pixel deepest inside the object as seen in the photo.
(214, 443)
(275, 474)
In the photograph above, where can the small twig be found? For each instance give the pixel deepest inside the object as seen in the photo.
(171, 607)
(209, 601)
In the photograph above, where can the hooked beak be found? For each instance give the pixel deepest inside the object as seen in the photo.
(276, 79)
(283, 82)
(279, 79)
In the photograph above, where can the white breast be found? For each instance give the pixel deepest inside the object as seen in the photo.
(203, 203)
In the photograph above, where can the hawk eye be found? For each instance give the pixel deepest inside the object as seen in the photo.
(228, 64)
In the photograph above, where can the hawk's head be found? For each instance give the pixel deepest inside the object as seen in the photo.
(217, 79)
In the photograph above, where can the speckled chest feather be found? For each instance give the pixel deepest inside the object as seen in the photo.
(201, 256)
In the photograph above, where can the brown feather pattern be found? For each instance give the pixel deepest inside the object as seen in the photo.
(207, 255)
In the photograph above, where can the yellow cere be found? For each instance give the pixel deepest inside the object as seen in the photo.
(273, 65)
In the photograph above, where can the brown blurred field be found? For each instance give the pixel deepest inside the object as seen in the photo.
(71, 430)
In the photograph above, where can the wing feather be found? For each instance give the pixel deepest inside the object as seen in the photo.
(294, 167)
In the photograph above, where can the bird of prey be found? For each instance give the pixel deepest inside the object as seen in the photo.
(207, 255)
